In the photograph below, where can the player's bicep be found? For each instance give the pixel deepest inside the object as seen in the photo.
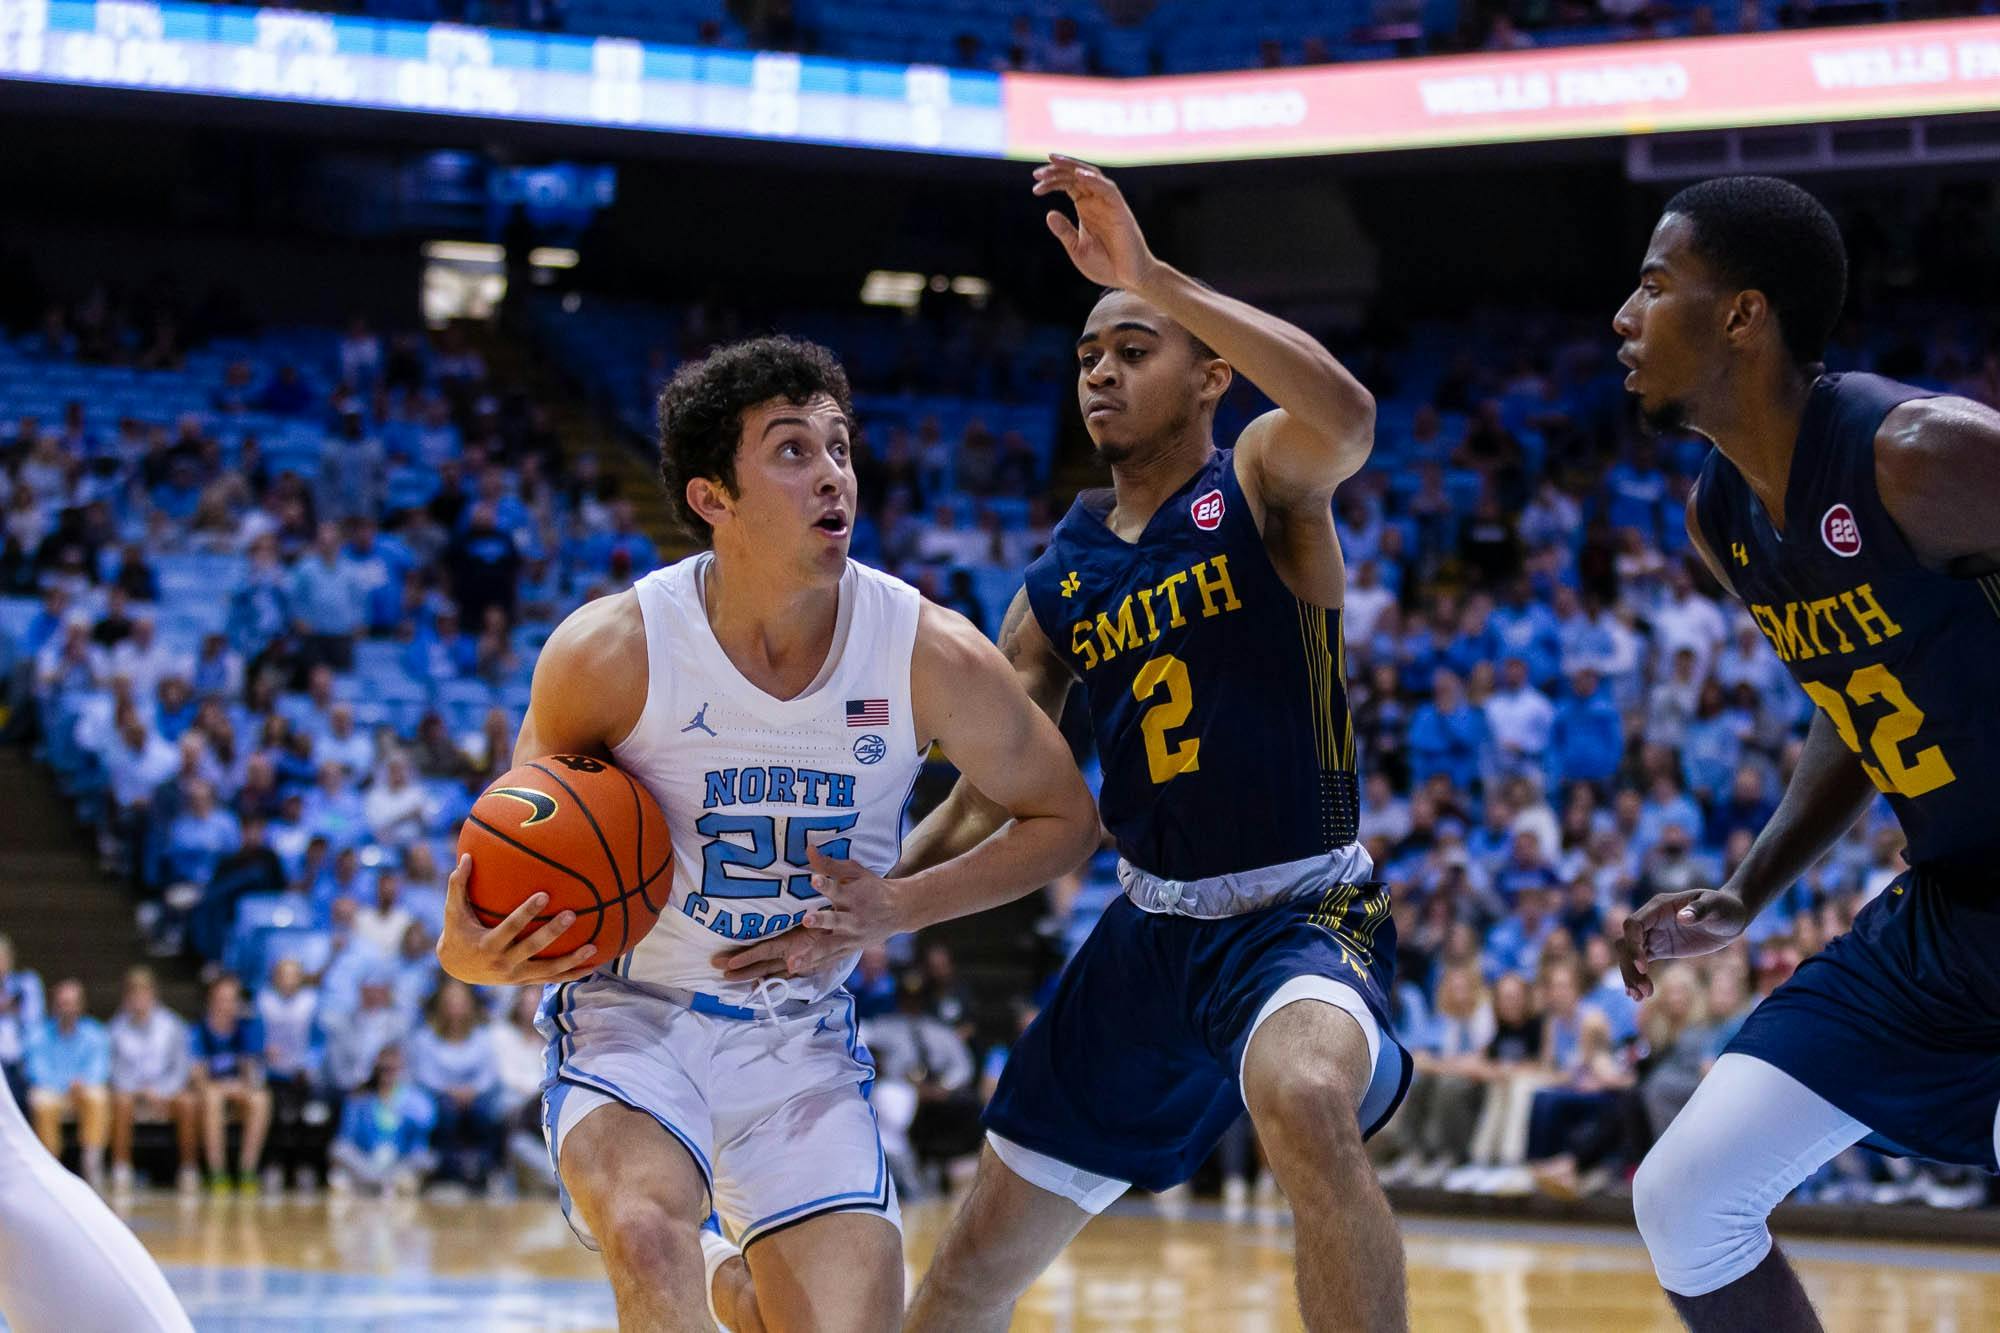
(1028, 651)
(589, 685)
(1292, 466)
(976, 705)
(1937, 465)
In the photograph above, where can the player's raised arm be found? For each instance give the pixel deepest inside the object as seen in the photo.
(589, 688)
(1324, 425)
(968, 698)
(966, 818)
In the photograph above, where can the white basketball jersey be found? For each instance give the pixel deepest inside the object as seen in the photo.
(749, 782)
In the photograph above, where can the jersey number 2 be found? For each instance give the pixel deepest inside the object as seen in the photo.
(1163, 762)
(1924, 772)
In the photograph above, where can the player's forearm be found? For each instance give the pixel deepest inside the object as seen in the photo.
(1283, 360)
(1827, 793)
(961, 821)
(1023, 856)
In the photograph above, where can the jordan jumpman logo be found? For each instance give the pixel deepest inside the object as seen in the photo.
(700, 721)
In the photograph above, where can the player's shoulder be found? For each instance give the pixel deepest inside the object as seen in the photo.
(947, 642)
(1935, 423)
(604, 641)
(1929, 443)
(882, 583)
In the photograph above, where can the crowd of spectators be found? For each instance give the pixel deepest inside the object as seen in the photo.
(1559, 715)
(1556, 712)
(1138, 37)
(276, 647)
(274, 676)
(398, 1086)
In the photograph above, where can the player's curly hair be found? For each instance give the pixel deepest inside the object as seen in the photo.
(1766, 234)
(701, 409)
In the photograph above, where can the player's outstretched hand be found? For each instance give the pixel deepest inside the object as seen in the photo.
(1676, 925)
(505, 954)
(862, 909)
(1104, 242)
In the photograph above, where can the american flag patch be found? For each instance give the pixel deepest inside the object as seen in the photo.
(867, 712)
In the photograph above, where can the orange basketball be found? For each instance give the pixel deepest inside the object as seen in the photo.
(580, 830)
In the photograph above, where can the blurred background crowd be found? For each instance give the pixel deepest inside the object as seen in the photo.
(1140, 37)
(271, 604)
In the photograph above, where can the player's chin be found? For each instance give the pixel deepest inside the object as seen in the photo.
(828, 552)
(1111, 446)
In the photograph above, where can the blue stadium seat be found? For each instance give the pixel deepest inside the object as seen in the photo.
(312, 948)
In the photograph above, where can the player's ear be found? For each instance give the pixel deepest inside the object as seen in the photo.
(1748, 316)
(709, 499)
(1216, 377)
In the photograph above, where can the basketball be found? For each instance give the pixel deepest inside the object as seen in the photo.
(580, 830)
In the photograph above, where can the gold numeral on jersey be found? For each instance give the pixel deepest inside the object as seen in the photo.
(1925, 772)
(1167, 764)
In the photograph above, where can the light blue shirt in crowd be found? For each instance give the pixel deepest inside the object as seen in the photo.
(328, 598)
(439, 1066)
(57, 1059)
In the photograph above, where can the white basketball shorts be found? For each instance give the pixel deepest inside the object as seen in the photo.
(774, 1111)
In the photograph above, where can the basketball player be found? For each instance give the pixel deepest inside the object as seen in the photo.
(778, 700)
(1859, 520)
(67, 1264)
(1198, 602)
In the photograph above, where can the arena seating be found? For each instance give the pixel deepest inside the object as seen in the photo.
(1130, 38)
(1509, 512)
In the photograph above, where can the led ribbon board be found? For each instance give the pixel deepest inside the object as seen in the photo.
(1627, 88)
(1559, 93)
(470, 71)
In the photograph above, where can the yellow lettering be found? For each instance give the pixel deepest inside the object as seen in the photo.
(1783, 634)
(1080, 644)
(1112, 637)
(1812, 626)
(1210, 586)
(1789, 627)
(1874, 612)
(1170, 585)
(1824, 607)
(1152, 625)
(1766, 625)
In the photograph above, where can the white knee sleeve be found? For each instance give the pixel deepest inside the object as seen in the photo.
(1744, 1141)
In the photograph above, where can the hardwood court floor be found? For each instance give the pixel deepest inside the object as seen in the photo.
(514, 1268)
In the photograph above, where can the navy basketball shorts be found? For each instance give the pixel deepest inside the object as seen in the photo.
(1132, 1072)
(1897, 1022)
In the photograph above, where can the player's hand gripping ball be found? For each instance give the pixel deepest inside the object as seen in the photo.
(581, 831)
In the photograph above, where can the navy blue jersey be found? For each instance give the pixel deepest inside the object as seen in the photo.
(1904, 660)
(1217, 697)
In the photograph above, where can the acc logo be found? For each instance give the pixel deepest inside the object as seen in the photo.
(870, 749)
(541, 805)
(1207, 511)
(1839, 531)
